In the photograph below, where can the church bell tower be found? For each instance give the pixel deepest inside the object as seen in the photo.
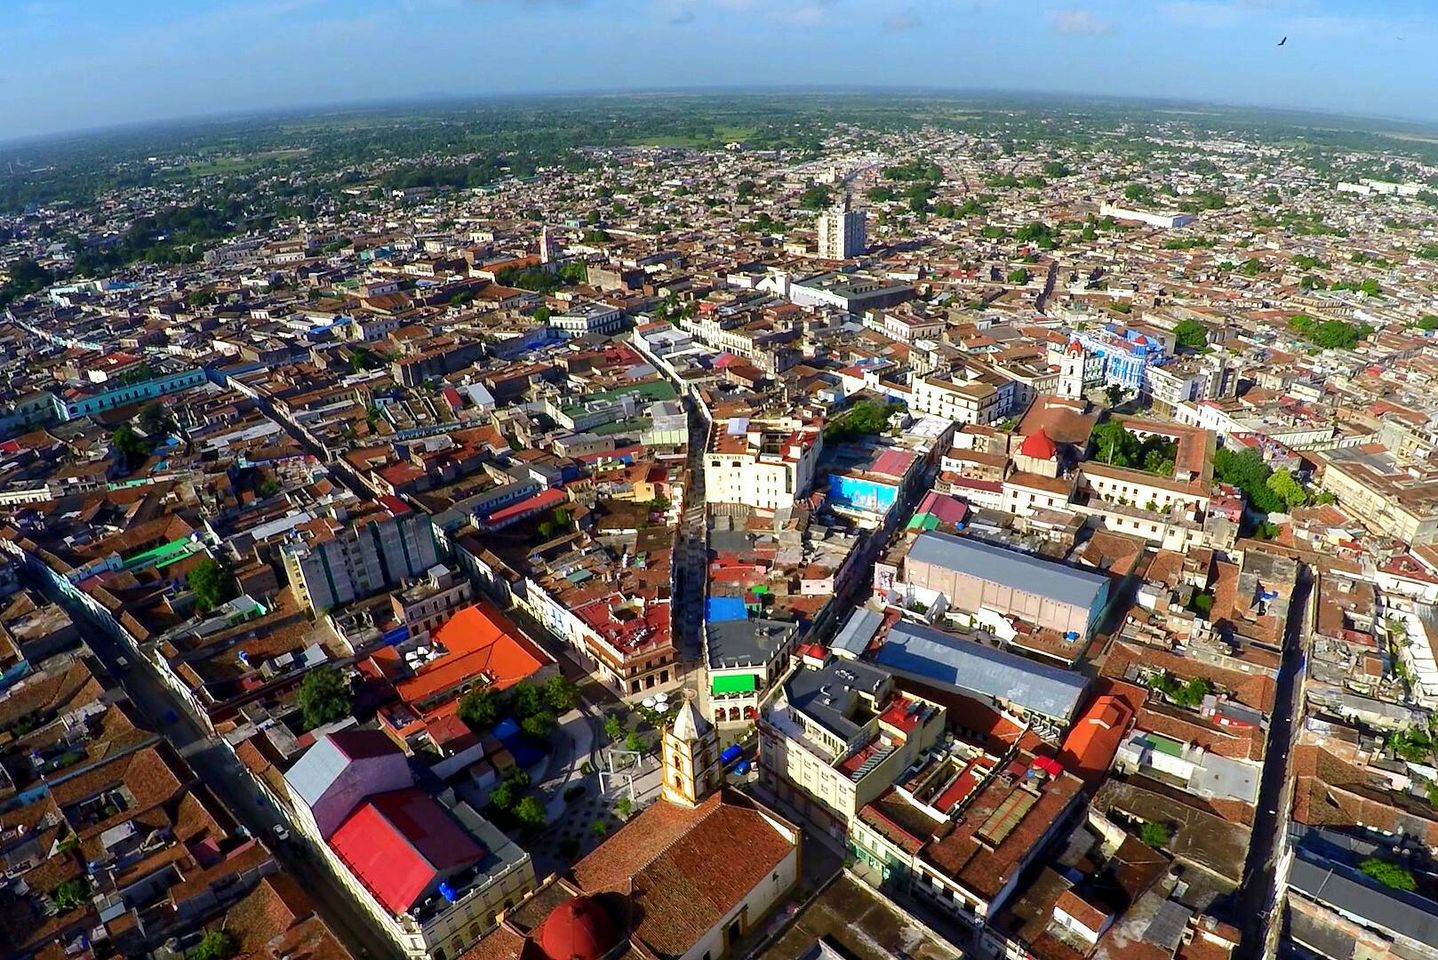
(691, 758)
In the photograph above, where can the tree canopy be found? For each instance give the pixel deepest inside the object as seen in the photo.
(865, 418)
(214, 945)
(213, 583)
(1155, 834)
(1120, 448)
(26, 276)
(130, 449)
(1389, 874)
(1282, 482)
(479, 709)
(1329, 334)
(71, 894)
(325, 696)
(530, 813)
(919, 168)
(1248, 472)
(815, 198)
(1191, 334)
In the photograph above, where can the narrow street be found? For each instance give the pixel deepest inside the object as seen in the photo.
(691, 549)
(1254, 904)
(338, 468)
(216, 766)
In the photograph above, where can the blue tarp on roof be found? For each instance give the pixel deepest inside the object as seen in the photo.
(506, 730)
(525, 755)
(721, 609)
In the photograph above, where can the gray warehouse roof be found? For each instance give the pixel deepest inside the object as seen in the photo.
(933, 654)
(1403, 913)
(1020, 571)
(858, 631)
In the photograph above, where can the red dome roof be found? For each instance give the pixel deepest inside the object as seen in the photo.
(577, 929)
(1039, 446)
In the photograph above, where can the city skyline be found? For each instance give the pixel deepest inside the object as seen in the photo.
(78, 66)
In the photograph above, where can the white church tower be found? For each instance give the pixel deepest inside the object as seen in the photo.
(1071, 368)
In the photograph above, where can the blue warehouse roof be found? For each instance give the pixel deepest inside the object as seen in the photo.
(1020, 571)
(970, 666)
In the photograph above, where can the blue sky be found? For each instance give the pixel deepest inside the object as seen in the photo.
(77, 64)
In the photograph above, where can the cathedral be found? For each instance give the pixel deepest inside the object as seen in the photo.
(689, 877)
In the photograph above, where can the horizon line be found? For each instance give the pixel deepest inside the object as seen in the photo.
(436, 98)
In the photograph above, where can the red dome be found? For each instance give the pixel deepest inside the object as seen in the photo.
(577, 929)
(1039, 446)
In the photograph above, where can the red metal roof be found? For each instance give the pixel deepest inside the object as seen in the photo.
(542, 500)
(1039, 446)
(399, 844)
(395, 505)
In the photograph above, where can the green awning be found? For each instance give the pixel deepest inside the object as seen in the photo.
(735, 683)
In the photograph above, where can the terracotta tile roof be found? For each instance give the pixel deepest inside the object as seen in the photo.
(481, 640)
(1329, 792)
(50, 693)
(684, 869)
(1089, 748)
(1252, 690)
(1238, 743)
(974, 855)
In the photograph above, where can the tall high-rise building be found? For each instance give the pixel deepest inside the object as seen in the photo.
(843, 232)
(354, 553)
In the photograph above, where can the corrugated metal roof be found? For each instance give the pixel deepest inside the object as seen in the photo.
(313, 773)
(1403, 913)
(854, 638)
(1050, 691)
(1020, 571)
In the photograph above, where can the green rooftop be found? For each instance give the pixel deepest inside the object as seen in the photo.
(735, 683)
(1163, 744)
(653, 390)
(163, 555)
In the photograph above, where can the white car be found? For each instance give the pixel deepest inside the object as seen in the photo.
(282, 833)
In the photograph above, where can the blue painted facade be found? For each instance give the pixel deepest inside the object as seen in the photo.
(133, 393)
(1127, 355)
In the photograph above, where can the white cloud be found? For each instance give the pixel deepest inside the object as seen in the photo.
(1084, 23)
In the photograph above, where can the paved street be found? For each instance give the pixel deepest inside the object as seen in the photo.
(217, 767)
(1255, 901)
(691, 552)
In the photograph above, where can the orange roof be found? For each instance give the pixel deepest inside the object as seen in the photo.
(478, 640)
(1093, 740)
